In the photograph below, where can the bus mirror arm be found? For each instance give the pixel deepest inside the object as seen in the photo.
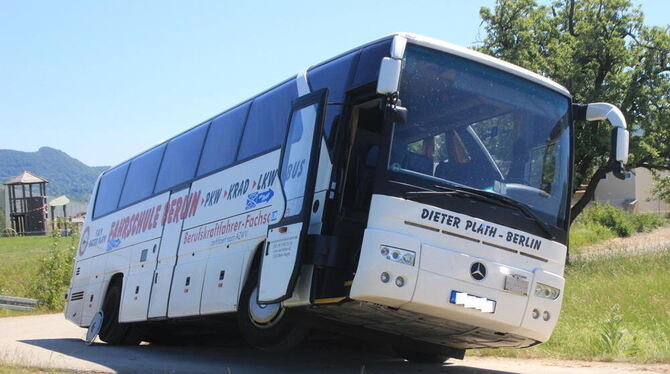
(620, 135)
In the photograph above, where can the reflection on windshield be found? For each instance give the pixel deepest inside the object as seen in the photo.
(482, 128)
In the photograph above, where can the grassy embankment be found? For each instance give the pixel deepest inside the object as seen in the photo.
(600, 222)
(614, 307)
(35, 267)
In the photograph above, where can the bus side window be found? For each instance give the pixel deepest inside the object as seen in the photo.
(181, 158)
(266, 125)
(223, 140)
(109, 190)
(141, 176)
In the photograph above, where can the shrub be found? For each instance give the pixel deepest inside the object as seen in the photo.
(647, 221)
(616, 219)
(54, 274)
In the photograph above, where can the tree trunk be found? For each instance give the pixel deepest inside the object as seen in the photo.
(590, 191)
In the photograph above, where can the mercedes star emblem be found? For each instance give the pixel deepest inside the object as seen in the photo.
(478, 271)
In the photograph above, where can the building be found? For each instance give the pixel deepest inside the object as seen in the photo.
(634, 194)
(27, 200)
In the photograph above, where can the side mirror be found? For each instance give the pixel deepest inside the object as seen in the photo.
(619, 155)
(387, 85)
(389, 76)
(620, 137)
(601, 111)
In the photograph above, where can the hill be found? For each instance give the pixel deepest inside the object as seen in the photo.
(66, 175)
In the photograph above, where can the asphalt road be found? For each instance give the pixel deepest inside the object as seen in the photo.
(50, 341)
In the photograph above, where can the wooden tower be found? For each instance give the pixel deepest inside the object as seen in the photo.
(28, 203)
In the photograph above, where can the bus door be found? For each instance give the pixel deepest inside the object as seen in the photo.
(167, 258)
(298, 168)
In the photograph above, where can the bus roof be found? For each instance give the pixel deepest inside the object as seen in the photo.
(466, 53)
(483, 59)
(411, 38)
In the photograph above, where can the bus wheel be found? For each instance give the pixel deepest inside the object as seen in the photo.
(267, 327)
(112, 332)
(420, 357)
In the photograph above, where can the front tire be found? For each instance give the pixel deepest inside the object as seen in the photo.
(112, 332)
(267, 327)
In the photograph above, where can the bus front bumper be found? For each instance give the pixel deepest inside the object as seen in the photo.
(446, 284)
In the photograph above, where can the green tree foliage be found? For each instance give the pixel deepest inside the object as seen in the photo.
(662, 189)
(601, 51)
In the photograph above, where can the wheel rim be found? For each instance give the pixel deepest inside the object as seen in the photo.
(263, 316)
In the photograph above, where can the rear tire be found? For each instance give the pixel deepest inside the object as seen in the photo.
(267, 327)
(112, 332)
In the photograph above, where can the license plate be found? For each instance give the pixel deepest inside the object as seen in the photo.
(466, 300)
(516, 284)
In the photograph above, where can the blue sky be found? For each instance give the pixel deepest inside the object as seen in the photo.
(105, 80)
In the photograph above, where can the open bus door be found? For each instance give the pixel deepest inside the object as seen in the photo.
(298, 168)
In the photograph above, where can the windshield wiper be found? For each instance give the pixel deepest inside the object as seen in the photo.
(488, 197)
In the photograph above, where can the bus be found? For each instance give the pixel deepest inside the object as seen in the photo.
(409, 191)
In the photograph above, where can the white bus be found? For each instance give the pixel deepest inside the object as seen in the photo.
(409, 191)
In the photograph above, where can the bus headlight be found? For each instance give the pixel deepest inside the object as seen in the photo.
(401, 256)
(547, 292)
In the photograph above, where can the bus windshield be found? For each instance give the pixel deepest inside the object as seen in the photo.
(475, 126)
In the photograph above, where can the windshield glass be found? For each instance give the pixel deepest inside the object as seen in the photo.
(472, 125)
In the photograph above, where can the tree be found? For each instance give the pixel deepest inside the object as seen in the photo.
(662, 189)
(600, 50)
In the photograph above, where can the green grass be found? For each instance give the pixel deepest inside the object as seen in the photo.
(20, 260)
(587, 233)
(626, 297)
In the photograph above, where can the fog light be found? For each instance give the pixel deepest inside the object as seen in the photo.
(536, 314)
(546, 292)
(400, 281)
(385, 277)
(546, 316)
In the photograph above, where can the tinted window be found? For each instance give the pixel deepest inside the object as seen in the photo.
(141, 176)
(109, 190)
(223, 139)
(181, 158)
(336, 76)
(268, 120)
(368, 65)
